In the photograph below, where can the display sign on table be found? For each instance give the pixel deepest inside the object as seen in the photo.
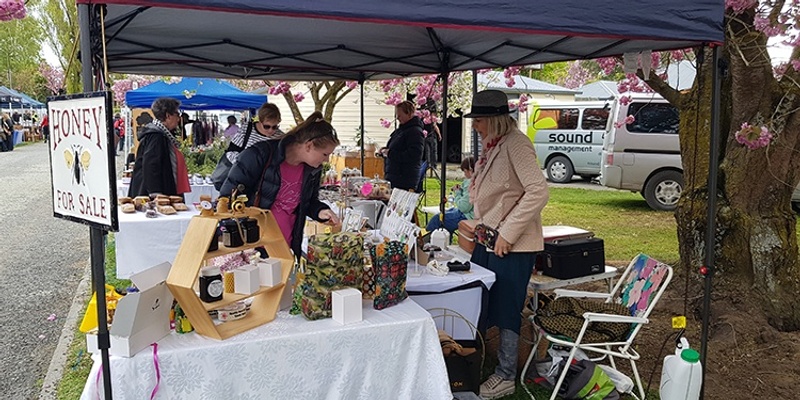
(82, 159)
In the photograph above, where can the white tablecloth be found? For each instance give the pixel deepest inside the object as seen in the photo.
(144, 242)
(432, 292)
(391, 354)
(190, 198)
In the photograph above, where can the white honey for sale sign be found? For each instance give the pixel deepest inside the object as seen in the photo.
(82, 159)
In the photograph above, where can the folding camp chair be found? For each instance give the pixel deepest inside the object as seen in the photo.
(639, 289)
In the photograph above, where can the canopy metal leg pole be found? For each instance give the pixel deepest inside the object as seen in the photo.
(713, 169)
(96, 235)
(443, 189)
(363, 134)
(475, 142)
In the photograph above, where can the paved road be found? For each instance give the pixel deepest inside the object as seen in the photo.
(42, 259)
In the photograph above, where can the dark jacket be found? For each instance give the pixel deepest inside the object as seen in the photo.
(406, 149)
(152, 172)
(248, 171)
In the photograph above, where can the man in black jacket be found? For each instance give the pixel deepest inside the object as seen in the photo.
(405, 149)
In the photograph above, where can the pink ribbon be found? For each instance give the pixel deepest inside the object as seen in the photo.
(155, 365)
(158, 370)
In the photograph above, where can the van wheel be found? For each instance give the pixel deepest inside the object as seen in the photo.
(663, 190)
(559, 170)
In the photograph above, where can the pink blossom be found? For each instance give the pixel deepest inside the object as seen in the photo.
(12, 9)
(763, 24)
(52, 317)
(655, 59)
(394, 99)
(608, 64)
(298, 97)
(523, 102)
(627, 121)
(54, 77)
(796, 65)
(576, 76)
(280, 88)
(738, 6)
(351, 84)
(753, 137)
(625, 100)
(676, 55)
(484, 71)
(386, 123)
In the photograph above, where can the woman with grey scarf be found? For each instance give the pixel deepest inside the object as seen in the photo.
(160, 167)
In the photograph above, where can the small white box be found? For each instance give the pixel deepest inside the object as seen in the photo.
(246, 279)
(142, 317)
(346, 305)
(91, 342)
(270, 272)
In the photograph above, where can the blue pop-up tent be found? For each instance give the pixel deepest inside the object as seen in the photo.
(25, 101)
(196, 94)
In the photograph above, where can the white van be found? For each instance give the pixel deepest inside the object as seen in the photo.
(644, 156)
(568, 137)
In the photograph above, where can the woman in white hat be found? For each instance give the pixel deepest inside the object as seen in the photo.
(508, 191)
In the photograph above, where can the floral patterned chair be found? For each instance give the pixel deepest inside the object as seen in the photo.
(638, 289)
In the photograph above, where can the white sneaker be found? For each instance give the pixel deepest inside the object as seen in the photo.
(496, 386)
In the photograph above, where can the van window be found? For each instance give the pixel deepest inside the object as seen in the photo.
(566, 118)
(654, 118)
(595, 118)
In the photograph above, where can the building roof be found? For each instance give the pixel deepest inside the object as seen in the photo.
(522, 84)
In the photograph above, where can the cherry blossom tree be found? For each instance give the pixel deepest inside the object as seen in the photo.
(756, 242)
(53, 77)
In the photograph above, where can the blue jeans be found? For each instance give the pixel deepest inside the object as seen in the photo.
(451, 219)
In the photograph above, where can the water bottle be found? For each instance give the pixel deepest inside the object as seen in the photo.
(682, 374)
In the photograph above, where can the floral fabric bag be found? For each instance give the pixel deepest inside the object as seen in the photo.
(390, 265)
(333, 261)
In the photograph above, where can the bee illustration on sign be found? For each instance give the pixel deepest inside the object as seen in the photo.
(77, 160)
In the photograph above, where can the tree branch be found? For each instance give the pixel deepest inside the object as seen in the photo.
(673, 96)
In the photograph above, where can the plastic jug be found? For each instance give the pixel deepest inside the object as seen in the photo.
(440, 238)
(682, 374)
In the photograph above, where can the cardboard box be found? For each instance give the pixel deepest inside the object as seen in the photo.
(270, 272)
(142, 318)
(246, 279)
(346, 305)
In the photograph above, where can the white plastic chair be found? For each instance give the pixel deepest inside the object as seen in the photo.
(639, 288)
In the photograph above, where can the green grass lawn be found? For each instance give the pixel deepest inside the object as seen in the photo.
(622, 219)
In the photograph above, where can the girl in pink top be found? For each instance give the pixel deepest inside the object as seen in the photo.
(284, 176)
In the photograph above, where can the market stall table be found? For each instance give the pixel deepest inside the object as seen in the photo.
(463, 292)
(144, 242)
(390, 354)
(190, 198)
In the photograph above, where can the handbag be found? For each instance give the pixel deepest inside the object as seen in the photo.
(466, 234)
(224, 165)
(486, 235)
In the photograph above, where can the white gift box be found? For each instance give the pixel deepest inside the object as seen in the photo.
(346, 305)
(246, 279)
(142, 318)
(270, 272)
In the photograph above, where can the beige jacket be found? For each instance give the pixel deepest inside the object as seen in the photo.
(511, 172)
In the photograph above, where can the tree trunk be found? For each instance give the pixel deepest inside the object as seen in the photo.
(756, 245)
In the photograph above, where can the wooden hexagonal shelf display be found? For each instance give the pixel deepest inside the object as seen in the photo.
(184, 273)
